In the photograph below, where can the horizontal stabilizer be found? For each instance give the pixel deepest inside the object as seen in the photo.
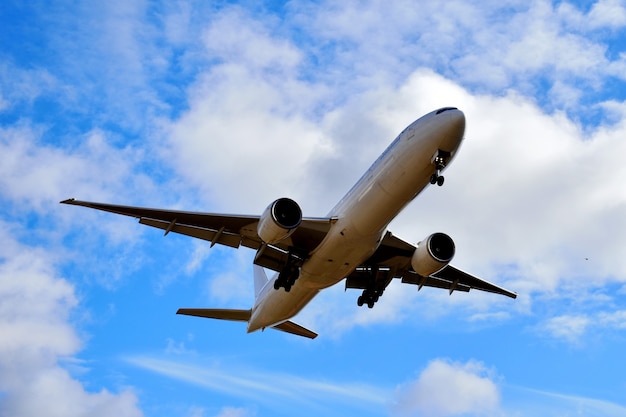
(216, 313)
(293, 328)
(244, 315)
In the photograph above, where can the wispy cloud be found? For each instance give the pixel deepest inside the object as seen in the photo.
(539, 402)
(575, 328)
(568, 328)
(267, 387)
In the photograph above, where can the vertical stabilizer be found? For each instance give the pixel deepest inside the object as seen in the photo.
(260, 279)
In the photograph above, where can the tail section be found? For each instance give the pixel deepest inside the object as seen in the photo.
(260, 280)
(244, 316)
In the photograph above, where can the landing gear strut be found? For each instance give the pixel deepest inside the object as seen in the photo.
(373, 290)
(290, 272)
(439, 160)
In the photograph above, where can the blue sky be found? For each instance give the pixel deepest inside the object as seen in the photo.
(224, 107)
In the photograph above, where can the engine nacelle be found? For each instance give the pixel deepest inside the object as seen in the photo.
(432, 254)
(279, 220)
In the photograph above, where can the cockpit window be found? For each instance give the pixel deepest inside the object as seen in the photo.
(445, 109)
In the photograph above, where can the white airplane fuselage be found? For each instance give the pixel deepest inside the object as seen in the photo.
(362, 216)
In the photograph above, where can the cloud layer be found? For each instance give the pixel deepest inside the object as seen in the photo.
(227, 107)
(35, 307)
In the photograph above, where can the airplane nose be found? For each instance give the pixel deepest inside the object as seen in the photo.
(456, 120)
(452, 128)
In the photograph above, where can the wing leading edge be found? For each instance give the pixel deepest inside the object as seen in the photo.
(223, 229)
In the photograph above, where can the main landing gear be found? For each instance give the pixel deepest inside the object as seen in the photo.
(439, 160)
(369, 297)
(290, 272)
(374, 288)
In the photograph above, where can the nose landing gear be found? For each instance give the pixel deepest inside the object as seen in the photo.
(439, 160)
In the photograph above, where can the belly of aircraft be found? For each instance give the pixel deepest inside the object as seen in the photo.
(362, 218)
(332, 261)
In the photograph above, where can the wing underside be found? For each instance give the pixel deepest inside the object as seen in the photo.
(393, 260)
(229, 230)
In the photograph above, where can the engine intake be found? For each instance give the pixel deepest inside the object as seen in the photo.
(279, 220)
(432, 254)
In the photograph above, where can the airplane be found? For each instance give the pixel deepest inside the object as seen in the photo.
(309, 254)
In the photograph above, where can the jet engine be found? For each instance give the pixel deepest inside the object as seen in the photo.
(432, 254)
(279, 220)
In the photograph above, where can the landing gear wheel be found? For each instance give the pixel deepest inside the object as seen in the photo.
(290, 272)
(369, 297)
(439, 160)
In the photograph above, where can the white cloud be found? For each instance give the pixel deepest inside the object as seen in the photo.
(608, 13)
(35, 175)
(176, 22)
(239, 39)
(614, 319)
(449, 389)
(178, 348)
(35, 307)
(111, 62)
(40, 175)
(247, 130)
(201, 251)
(488, 46)
(19, 86)
(571, 328)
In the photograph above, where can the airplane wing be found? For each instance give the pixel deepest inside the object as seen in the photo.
(224, 229)
(392, 260)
